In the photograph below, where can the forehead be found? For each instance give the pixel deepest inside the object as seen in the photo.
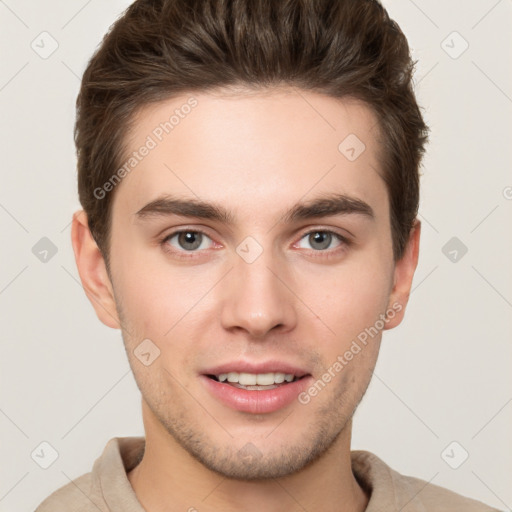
(252, 149)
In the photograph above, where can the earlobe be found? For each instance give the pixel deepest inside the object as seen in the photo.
(92, 271)
(403, 276)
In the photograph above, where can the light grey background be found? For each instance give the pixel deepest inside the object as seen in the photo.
(443, 375)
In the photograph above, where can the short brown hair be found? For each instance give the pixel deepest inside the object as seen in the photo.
(162, 48)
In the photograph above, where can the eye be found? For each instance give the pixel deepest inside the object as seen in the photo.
(320, 240)
(192, 241)
(187, 240)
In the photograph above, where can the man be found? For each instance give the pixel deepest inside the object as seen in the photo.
(248, 171)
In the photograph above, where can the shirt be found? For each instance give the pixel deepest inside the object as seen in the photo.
(107, 488)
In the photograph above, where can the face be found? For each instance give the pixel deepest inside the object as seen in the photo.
(248, 244)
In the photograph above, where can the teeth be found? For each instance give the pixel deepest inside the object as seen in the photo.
(247, 379)
(279, 378)
(253, 379)
(262, 379)
(232, 377)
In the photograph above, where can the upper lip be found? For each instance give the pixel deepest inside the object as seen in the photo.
(252, 367)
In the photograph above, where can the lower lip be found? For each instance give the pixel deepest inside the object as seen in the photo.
(256, 401)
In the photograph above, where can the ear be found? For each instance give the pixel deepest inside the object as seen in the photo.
(92, 270)
(404, 273)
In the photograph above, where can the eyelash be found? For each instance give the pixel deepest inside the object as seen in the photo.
(326, 253)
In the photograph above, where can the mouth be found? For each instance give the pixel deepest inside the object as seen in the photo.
(256, 389)
(256, 381)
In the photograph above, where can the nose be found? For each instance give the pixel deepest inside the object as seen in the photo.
(257, 297)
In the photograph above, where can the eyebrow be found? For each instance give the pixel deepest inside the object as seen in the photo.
(324, 206)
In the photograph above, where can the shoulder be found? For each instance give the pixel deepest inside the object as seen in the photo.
(75, 496)
(106, 486)
(432, 497)
(407, 493)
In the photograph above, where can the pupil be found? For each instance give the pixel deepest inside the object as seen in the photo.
(324, 239)
(191, 238)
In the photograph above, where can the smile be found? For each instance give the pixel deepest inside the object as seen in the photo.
(255, 380)
(259, 393)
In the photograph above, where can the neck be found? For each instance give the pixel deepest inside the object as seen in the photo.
(169, 479)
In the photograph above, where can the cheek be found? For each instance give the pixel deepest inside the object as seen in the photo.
(146, 294)
(348, 298)
(159, 300)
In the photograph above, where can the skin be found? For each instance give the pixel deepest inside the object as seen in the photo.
(257, 154)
